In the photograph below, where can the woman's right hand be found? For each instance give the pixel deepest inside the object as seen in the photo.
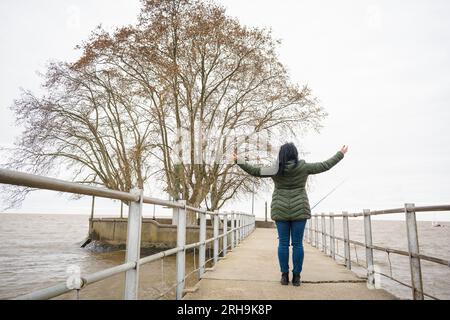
(344, 149)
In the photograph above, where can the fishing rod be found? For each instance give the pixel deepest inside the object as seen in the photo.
(328, 194)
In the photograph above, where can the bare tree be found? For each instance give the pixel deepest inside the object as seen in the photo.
(91, 123)
(186, 66)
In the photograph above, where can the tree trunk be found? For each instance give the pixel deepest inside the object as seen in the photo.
(191, 218)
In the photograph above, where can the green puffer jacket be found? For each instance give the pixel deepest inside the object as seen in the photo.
(289, 199)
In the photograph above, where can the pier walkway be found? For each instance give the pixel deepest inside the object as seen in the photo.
(251, 271)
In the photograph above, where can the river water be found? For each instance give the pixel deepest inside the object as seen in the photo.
(36, 250)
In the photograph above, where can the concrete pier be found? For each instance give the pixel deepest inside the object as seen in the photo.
(252, 272)
(158, 233)
(155, 233)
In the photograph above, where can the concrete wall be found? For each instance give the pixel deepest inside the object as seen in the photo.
(265, 224)
(157, 233)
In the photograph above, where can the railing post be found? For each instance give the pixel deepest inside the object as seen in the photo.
(216, 236)
(265, 211)
(413, 248)
(311, 231)
(232, 231)
(245, 226)
(239, 228)
(324, 234)
(239, 222)
(369, 249)
(202, 248)
(242, 228)
(348, 262)
(225, 235)
(181, 255)
(332, 239)
(91, 222)
(133, 246)
(248, 225)
(316, 226)
(175, 214)
(236, 222)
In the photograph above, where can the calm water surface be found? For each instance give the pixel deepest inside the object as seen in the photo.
(36, 250)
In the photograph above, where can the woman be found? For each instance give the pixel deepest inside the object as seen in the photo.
(290, 207)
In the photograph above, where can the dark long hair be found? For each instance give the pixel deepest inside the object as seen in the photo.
(288, 152)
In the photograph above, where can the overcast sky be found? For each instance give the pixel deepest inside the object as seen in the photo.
(381, 69)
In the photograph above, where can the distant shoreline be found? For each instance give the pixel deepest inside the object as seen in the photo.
(259, 218)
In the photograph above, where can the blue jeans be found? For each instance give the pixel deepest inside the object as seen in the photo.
(287, 230)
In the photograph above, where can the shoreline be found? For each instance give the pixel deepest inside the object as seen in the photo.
(150, 216)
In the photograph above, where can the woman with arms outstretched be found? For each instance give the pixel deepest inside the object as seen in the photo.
(290, 206)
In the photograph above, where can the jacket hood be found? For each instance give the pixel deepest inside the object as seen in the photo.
(290, 165)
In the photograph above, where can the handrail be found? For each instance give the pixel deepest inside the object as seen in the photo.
(242, 225)
(413, 244)
(34, 181)
(396, 251)
(424, 209)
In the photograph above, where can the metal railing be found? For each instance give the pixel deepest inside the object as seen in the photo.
(241, 226)
(313, 233)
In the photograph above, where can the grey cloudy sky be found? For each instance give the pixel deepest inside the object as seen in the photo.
(381, 69)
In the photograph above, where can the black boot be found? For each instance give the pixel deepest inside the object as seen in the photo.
(296, 279)
(285, 278)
